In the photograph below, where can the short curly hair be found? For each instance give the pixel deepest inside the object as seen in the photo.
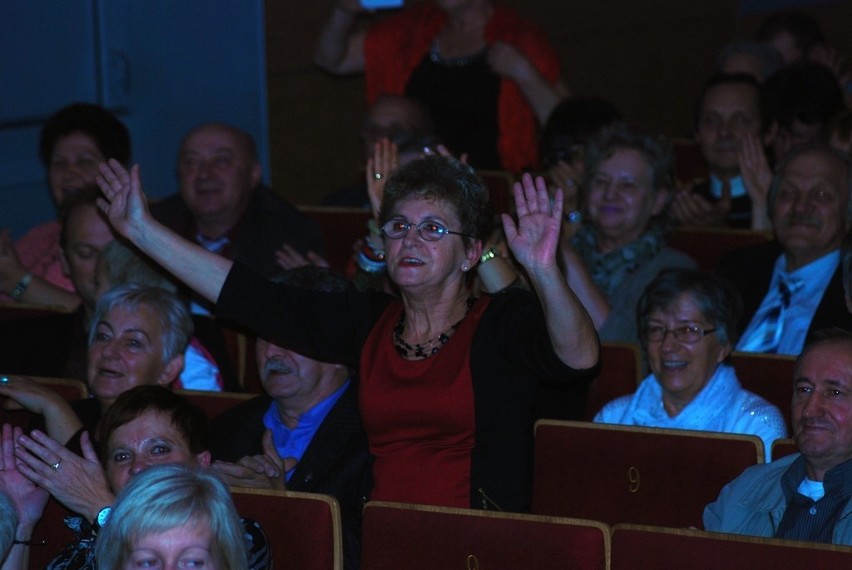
(446, 180)
(102, 126)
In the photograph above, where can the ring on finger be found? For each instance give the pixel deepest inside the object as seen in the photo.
(56, 465)
(377, 175)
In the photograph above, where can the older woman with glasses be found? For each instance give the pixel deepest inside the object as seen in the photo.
(687, 322)
(447, 379)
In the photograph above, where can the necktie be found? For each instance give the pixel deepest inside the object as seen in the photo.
(766, 337)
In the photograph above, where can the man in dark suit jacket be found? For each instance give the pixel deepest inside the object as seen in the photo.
(223, 205)
(810, 210)
(305, 431)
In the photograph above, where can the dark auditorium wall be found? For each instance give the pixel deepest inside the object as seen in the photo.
(649, 58)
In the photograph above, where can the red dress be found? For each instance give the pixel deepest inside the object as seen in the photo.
(419, 415)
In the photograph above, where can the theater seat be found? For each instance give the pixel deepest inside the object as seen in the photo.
(707, 245)
(422, 537)
(636, 547)
(624, 474)
(214, 403)
(770, 376)
(619, 375)
(303, 528)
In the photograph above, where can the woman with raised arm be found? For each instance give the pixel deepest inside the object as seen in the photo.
(447, 380)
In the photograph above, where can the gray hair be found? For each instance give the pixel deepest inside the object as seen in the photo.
(166, 497)
(621, 136)
(717, 300)
(174, 317)
(126, 264)
(819, 147)
(770, 60)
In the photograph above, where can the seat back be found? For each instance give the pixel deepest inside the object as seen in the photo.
(303, 528)
(770, 376)
(214, 403)
(646, 547)
(626, 474)
(619, 375)
(707, 245)
(422, 537)
(500, 193)
(340, 228)
(689, 162)
(783, 447)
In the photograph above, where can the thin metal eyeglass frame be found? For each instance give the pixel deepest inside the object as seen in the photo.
(704, 332)
(409, 225)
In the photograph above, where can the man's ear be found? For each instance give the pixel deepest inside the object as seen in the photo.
(204, 459)
(171, 371)
(256, 174)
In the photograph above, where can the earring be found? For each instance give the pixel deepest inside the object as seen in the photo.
(465, 267)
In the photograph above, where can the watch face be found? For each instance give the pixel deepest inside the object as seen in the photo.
(103, 516)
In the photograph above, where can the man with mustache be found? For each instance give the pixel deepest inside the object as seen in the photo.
(803, 496)
(305, 433)
(793, 285)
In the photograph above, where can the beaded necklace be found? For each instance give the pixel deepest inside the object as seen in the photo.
(430, 347)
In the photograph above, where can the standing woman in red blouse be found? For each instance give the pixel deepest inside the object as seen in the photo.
(485, 74)
(447, 379)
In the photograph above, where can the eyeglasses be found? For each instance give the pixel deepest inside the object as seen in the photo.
(430, 231)
(689, 334)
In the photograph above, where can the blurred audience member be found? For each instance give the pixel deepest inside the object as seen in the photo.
(486, 75)
(805, 495)
(305, 433)
(223, 206)
(147, 426)
(731, 129)
(621, 247)
(802, 99)
(569, 128)
(56, 344)
(688, 324)
(173, 517)
(73, 142)
(400, 120)
(792, 286)
(793, 34)
(138, 336)
(839, 132)
(757, 59)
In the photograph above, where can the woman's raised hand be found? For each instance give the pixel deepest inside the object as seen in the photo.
(534, 239)
(124, 202)
(383, 163)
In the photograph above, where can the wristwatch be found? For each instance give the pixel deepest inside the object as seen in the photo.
(102, 517)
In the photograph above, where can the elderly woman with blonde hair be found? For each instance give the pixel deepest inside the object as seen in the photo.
(173, 517)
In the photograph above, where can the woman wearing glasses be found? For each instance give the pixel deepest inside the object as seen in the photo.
(447, 380)
(687, 324)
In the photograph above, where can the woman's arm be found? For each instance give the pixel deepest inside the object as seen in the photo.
(127, 210)
(341, 46)
(581, 283)
(533, 241)
(542, 96)
(24, 287)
